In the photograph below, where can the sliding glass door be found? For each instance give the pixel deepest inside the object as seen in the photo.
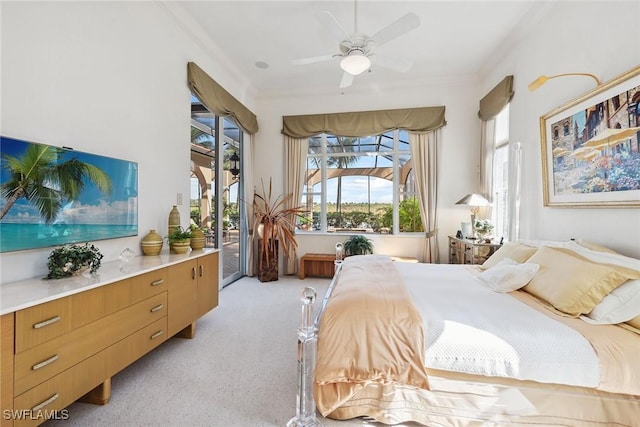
(216, 186)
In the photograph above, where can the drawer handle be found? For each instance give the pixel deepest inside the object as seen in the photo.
(45, 362)
(157, 308)
(45, 403)
(47, 322)
(201, 271)
(157, 334)
(157, 282)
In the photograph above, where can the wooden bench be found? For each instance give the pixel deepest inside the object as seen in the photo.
(317, 265)
(322, 265)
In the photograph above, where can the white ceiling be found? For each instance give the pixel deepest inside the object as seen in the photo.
(455, 40)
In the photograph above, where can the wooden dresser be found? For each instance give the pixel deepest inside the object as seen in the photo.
(65, 340)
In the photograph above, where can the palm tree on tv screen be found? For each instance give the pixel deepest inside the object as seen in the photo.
(39, 178)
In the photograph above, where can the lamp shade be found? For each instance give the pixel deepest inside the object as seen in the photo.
(473, 199)
(355, 63)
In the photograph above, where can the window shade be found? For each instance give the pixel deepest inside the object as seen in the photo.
(364, 123)
(496, 99)
(218, 100)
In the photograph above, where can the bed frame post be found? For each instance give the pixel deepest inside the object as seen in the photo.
(307, 339)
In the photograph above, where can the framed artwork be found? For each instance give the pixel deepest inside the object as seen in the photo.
(591, 147)
(53, 196)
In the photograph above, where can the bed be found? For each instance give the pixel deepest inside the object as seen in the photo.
(455, 345)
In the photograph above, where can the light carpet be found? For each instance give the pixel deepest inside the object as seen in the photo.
(239, 369)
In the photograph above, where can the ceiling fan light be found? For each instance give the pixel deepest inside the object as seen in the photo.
(355, 63)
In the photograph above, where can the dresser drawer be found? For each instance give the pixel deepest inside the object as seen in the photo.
(123, 353)
(43, 361)
(59, 391)
(40, 323)
(148, 284)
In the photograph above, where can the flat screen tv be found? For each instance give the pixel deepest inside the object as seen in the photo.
(52, 196)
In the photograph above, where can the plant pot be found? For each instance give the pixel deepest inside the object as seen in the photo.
(181, 247)
(268, 270)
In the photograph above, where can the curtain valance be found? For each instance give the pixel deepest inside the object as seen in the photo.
(496, 99)
(364, 123)
(218, 100)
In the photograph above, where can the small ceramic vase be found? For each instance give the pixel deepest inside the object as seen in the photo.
(151, 243)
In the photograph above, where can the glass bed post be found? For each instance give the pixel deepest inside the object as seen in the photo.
(307, 337)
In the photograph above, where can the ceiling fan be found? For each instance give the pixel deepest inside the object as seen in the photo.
(356, 49)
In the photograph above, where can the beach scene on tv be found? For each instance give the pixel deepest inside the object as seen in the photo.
(53, 196)
(597, 149)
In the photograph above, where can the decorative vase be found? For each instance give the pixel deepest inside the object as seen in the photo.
(152, 243)
(197, 239)
(268, 269)
(181, 247)
(174, 219)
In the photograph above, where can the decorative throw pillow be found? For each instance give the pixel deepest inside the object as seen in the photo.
(571, 283)
(594, 246)
(621, 305)
(514, 250)
(508, 275)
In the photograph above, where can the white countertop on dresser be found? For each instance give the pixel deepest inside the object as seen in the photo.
(16, 296)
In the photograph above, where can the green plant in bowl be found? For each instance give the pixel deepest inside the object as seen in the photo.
(73, 260)
(358, 245)
(179, 240)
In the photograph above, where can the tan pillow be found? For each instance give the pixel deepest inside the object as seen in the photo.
(571, 283)
(595, 247)
(635, 322)
(516, 251)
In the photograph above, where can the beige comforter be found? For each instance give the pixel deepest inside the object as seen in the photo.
(380, 373)
(372, 320)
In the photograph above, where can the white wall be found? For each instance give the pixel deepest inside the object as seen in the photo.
(108, 78)
(602, 38)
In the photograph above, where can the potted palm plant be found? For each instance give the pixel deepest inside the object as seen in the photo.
(358, 245)
(275, 224)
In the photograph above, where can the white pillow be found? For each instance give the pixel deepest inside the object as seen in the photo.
(621, 305)
(506, 261)
(507, 277)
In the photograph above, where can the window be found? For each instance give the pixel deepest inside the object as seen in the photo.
(500, 214)
(360, 184)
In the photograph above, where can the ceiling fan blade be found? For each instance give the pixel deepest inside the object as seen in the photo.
(332, 25)
(312, 60)
(397, 28)
(401, 65)
(347, 80)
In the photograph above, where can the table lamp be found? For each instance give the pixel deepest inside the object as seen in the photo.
(475, 201)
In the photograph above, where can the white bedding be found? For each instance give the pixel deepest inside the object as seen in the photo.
(471, 329)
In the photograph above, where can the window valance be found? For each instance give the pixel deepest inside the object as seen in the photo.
(496, 99)
(364, 123)
(218, 100)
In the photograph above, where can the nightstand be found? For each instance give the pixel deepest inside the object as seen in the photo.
(468, 251)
